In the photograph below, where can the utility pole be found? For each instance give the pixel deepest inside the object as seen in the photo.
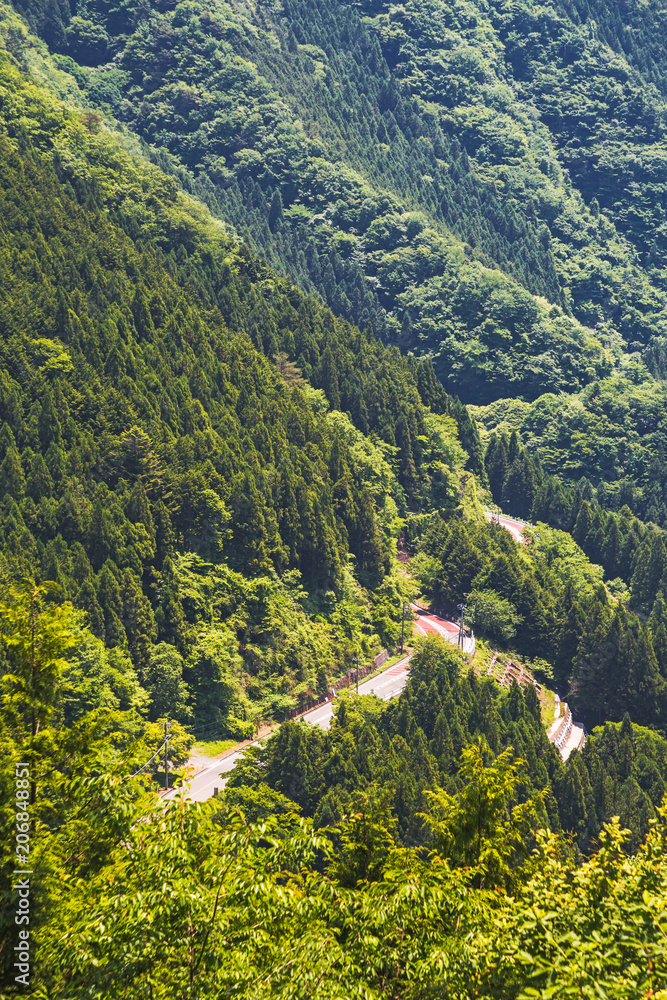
(403, 626)
(462, 609)
(356, 660)
(167, 737)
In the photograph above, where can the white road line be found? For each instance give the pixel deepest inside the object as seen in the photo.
(384, 685)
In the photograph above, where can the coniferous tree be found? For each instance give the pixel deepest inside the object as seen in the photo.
(582, 527)
(138, 621)
(12, 478)
(611, 551)
(87, 600)
(48, 426)
(169, 617)
(39, 483)
(496, 463)
(108, 595)
(328, 378)
(649, 572)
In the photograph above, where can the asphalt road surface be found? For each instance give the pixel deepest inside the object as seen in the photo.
(203, 785)
(514, 527)
(386, 685)
(427, 622)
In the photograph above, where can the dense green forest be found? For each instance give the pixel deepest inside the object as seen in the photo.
(288, 289)
(413, 746)
(403, 164)
(472, 896)
(553, 604)
(608, 439)
(219, 518)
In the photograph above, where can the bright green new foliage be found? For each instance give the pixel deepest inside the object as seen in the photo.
(207, 470)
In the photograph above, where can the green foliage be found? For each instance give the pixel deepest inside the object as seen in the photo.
(142, 432)
(509, 593)
(251, 911)
(164, 682)
(552, 600)
(225, 881)
(408, 182)
(100, 678)
(609, 438)
(603, 934)
(462, 765)
(365, 840)
(492, 614)
(264, 904)
(178, 749)
(482, 826)
(36, 636)
(215, 470)
(619, 543)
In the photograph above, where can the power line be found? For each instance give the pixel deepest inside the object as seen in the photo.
(208, 725)
(167, 737)
(216, 734)
(210, 734)
(143, 768)
(204, 729)
(216, 728)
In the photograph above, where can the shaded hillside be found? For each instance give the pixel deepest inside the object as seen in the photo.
(154, 463)
(393, 161)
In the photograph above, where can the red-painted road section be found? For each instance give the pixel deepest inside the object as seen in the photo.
(426, 622)
(515, 528)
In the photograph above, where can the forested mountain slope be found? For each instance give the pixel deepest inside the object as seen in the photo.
(244, 896)
(207, 471)
(202, 504)
(413, 745)
(394, 158)
(609, 439)
(228, 94)
(302, 496)
(215, 515)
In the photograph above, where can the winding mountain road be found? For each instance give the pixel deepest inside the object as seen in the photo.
(427, 623)
(515, 528)
(385, 685)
